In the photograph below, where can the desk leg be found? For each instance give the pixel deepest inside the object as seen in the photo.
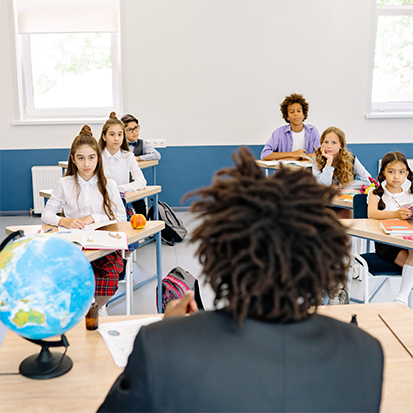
(158, 256)
(155, 208)
(129, 284)
(266, 172)
(159, 270)
(154, 174)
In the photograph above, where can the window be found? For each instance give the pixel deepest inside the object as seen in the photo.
(392, 83)
(68, 59)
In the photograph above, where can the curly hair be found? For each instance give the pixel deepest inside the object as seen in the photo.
(113, 120)
(289, 100)
(269, 246)
(386, 160)
(344, 163)
(86, 138)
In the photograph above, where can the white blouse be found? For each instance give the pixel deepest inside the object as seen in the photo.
(395, 201)
(325, 176)
(120, 166)
(89, 202)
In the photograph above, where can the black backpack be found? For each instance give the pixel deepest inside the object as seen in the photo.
(175, 230)
(176, 284)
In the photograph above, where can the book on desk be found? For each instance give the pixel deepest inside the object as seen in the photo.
(396, 227)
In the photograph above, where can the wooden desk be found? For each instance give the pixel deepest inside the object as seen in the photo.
(130, 196)
(397, 395)
(134, 235)
(84, 388)
(262, 164)
(368, 228)
(142, 165)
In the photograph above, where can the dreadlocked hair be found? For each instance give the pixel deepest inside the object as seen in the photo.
(269, 246)
(387, 159)
(86, 138)
(344, 163)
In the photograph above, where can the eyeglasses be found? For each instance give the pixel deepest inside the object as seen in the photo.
(135, 129)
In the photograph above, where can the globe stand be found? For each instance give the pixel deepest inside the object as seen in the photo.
(47, 365)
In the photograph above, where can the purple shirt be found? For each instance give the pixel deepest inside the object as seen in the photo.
(282, 140)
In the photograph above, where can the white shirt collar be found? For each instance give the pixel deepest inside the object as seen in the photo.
(92, 181)
(107, 154)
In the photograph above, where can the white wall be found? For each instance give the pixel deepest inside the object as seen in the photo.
(200, 72)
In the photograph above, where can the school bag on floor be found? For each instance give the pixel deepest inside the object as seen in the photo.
(176, 284)
(175, 230)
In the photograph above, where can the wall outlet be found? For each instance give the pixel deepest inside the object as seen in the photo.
(158, 143)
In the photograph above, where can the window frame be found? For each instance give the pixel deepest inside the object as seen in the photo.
(108, 23)
(387, 109)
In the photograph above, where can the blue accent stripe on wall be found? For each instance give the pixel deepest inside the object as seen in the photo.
(181, 169)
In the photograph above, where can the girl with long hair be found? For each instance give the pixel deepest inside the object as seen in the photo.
(86, 196)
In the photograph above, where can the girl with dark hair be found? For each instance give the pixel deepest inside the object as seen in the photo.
(118, 163)
(86, 196)
(335, 165)
(296, 139)
(391, 200)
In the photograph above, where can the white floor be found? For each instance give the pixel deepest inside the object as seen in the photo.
(182, 254)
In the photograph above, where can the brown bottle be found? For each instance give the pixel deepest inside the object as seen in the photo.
(92, 317)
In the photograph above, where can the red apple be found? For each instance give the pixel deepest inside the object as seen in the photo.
(138, 221)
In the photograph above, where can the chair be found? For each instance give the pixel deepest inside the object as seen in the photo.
(371, 266)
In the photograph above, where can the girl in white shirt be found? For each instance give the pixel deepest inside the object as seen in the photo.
(391, 200)
(86, 196)
(118, 163)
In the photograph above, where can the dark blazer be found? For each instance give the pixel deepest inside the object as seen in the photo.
(207, 363)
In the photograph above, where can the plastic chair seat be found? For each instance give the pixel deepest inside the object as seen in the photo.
(379, 267)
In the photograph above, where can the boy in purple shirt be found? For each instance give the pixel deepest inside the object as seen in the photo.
(296, 139)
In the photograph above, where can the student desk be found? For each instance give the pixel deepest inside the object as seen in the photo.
(130, 196)
(368, 228)
(337, 201)
(142, 164)
(134, 235)
(84, 388)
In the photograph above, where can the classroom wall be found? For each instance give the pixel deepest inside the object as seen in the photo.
(209, 75)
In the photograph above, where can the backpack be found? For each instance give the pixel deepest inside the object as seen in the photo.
(175, 230)
(176, 284)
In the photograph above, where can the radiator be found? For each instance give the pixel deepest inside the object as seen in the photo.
(43, 177)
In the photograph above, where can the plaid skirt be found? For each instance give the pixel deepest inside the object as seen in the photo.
(107, 270)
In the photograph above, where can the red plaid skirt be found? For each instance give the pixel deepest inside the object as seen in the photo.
(107, 270)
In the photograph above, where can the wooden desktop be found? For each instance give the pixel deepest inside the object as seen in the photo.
(84, 388)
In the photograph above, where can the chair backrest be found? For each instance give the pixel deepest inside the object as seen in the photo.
(360, 206)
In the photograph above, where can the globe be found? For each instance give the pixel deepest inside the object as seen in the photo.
(46, 286)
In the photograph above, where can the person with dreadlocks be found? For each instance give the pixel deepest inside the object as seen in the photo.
(270, 247)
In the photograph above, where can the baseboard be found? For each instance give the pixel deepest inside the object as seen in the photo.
(14, 213)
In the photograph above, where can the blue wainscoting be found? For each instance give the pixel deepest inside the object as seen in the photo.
(181, 169)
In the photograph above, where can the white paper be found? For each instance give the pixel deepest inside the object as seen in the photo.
(120, 336)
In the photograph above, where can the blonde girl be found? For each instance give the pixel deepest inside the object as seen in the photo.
(86, 196)
(335, 165)
(391, 200)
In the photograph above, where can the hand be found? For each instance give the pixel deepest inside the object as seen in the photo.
(71, 223)
(404, 213)
(329, 158)
(122, 192)
(298, 154)
(181, 307)
(87, 220)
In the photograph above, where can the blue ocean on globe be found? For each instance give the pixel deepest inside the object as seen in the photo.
(46, 286)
